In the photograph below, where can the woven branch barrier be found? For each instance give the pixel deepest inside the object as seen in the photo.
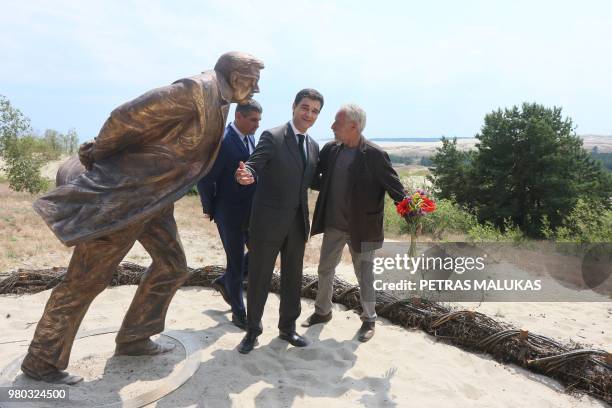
(580, 370)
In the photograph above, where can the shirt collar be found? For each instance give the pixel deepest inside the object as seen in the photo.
(237, 131)
(295, 131)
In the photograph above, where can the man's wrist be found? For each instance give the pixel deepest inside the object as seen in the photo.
(250, 170)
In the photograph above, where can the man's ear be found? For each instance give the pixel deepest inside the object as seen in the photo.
(233, 79)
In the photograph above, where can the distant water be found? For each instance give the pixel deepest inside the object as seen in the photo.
(401, 139)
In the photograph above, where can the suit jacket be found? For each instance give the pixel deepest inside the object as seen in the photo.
(282, 183)
(226, 201)
(371, 175)
(148, 154)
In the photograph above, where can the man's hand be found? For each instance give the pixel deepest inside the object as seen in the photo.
(86, 155)
(243, 175)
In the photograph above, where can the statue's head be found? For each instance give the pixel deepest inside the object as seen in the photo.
(241, 71)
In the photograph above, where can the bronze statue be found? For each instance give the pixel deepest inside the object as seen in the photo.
(148, 154)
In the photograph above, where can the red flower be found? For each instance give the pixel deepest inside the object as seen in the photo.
(402, 207)
(428, 205)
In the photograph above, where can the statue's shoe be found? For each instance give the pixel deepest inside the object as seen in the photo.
(145, 347)
(39, 370)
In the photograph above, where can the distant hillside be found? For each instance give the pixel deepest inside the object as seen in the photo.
(603, 142)
(410, 139)
(425, 146)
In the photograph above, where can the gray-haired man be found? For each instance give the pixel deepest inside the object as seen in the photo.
(354, 176)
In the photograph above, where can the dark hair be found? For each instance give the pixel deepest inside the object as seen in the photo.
(237, 61)
(308, 93)
(248, 107)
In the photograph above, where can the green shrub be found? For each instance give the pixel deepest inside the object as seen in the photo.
(23, 174)
(587, 222)
(448, 218)
(23, 165)
(487, 232)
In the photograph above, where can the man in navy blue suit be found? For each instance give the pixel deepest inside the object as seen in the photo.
(229, 204)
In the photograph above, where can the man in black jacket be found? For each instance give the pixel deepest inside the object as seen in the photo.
(283, 165)
(354, 176)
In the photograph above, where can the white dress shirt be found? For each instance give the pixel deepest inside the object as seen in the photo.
(251, 144)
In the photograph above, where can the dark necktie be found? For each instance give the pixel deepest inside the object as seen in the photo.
(301, 149)
(246, 143)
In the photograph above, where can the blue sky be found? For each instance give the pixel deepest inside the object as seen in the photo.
(419, 69)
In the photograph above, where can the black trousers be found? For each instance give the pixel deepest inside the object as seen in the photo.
(262, 257)
(234, 239)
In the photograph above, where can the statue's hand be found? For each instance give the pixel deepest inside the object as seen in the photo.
(86, 155)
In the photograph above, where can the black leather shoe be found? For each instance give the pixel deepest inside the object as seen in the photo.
(366, 331)
(220, 287)
(316, 318)
(248, 343)
(293, 338)
(239, 321)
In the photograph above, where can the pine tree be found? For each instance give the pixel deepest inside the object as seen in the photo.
(449, 171)
(530, 164)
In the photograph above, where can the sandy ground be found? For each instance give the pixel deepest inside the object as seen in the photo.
(397, 368)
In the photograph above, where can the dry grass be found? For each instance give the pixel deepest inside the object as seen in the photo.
(25, 239)
(27, 242)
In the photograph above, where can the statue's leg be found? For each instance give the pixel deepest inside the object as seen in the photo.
(89, 272)
(168, 271)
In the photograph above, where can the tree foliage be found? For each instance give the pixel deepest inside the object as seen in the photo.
(13, 124)
(529, 166)
(587, 222)
(604, 158)
(449, 172)
(24, 153)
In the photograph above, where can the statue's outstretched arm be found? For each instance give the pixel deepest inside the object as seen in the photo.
(143, 119)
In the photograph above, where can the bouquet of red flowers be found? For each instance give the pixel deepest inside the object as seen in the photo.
(412, 209)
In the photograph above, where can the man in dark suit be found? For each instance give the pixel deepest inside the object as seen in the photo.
(229, 204)
(283, 165)
(355, 174)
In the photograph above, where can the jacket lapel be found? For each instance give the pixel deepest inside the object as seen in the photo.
(355, 169)
(331, 161)
(334, 156)
(311, 160)
(235, 138)
(311, 153)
